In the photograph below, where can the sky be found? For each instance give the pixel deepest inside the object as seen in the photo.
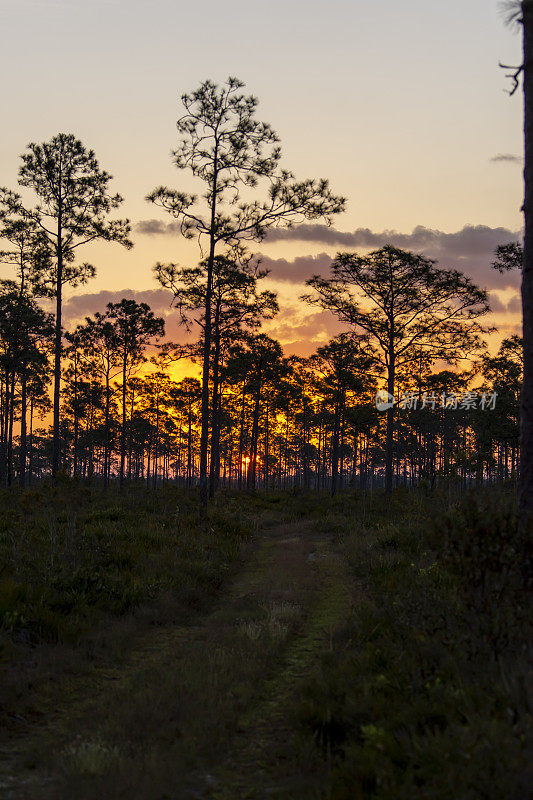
(401, 105)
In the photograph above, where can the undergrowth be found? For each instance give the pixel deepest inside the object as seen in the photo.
(80, 568)
(421, 691)
(424, 692)
(71, 554)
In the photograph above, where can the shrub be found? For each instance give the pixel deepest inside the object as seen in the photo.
(482, 542)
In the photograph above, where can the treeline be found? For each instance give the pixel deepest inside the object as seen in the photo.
(256, 417)
(279, 421)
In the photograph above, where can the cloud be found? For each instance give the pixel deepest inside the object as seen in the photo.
(298, 270)
(79, 306)
(76, 308)
(156, 227)
(295, 320)
(470, 249)
(496, 305)
(301, 330)
(470, 239)
(514, 306)
(509, 157)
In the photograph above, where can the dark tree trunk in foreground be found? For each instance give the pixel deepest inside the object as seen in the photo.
(204, 431)
(30, 443)
(252, 465)
(23, 429)
(123, 431)
(335, 450)
(389, 445)
(526, 427)
(57, 352)
(214, 466)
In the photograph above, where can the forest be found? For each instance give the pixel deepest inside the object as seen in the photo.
(257, 417)
(275, 421)
(278, 576)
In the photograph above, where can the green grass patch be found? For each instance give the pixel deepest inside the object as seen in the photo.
(424, 690)
(84, 573)
(72, 555)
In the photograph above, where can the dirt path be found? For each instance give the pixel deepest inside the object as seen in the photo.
(199, 710)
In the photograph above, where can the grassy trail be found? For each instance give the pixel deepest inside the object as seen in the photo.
(198, 709)
(266, 760)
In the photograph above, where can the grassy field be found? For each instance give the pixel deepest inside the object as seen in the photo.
(293, 647)
(424, 690)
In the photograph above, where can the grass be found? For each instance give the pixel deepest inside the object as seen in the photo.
(73, 554)
(424, 691)
(365, 649)
(85, 572)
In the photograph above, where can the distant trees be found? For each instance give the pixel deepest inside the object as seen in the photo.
(412, 309)
(94, 349)
(106, 347)
(134, 326)
(236, 306)
(503, 373)
(73, 207)
(344, 367)
(281, 421)
(224, 146)
(187, 397)
(260, 360)
(25, 335)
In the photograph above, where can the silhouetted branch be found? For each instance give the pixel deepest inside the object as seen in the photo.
(512, 75)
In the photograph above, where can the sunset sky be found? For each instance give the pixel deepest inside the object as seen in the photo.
(401, 105)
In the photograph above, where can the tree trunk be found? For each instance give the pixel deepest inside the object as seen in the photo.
(57, 347)
(214, 471)
(252, 465)
(335, 450)
(204, 435)
(76, 417)
(341, 442)
(189, 444)
(123, 431)
(130, 437)
(3, 432)
(526, 416)
(23, 429)
(107, 437)
(305, 453)
(10, 433)
(389, 446)
(156, 442)
(267, 447)
(30, 444)
(241, 435)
